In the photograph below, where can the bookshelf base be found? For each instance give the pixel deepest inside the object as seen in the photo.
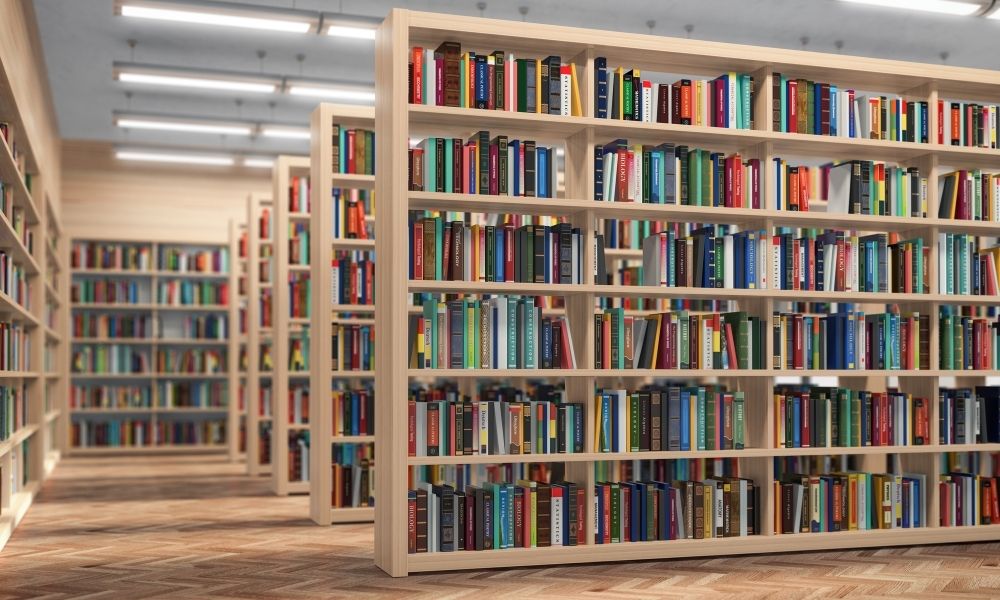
(168, 449)
(529, 557)
(19, 504)
(363, 514)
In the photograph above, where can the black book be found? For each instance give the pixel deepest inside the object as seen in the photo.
(460, 501)
(439, 165)
(457, 333)
(553, 89)
(529, 90)
(529, 168)
(602, 266)
(502, 166)
(421, 520)
(499, 91)
(539, 252)
(483, 172)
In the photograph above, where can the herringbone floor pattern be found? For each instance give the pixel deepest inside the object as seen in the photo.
(195, 527)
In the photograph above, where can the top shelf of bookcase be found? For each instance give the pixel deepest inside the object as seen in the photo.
(676, 55)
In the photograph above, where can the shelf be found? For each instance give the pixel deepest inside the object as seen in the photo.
(15, 179)
(150, 307)
(361, 514)
(13, 244)
(151, 341)
(351, 244)
(52, 415)
(352, 308)
(112, 272)
(199, 308)
(353, 181)
(159, 449)
(17, 437)
(755, 544)
(16, 311)
(52, 334)
(352, 321)
(112, 411)
(182, 410)
(352, 439)
(190, 275)
(19, 375)
(352, 374)
(165, 376)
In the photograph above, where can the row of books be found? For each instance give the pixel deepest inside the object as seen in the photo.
(102, 325)
(189, 433)
(353, 476)
(490, 333)
(110, 359)
(83, 395)
(495, 516)
(13, 410)
(19, 223)
(191, 394)
(669, 418)
(14, 280)
(457, 251)
(678, 340)
(674, 174)
(965, 267)
(15, 347)
(350, 210)
(266, 304)
(725, 101)
(299, 295)
(705, 257)
(969, 415)
(353, 411)
(264, 223)
(190, 360)
(192, 293)
(970, 196)
(483, 165)
(803, 106)
(109, 291)
(834, 260)
(264, 400)
(353, 277)
(353, 150)
(646, 511)
(194, 260)
(264, 430)
(446, 76)
(968, 342)
(111, 256)
(849, 501)
(205, 327)
(298, 351)
(353, 347)
(865, 187)
(822, 417)
(968, 124)
(500, 421)
(967, 500)
(298, 404)
(114, 433)
(299, 198)
(851, 340)
(298, 243)
(298, 456)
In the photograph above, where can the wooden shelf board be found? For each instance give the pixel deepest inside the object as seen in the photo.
(352, 439)
(159, 449)
(353, 181)
(19, 375)
(361, 514)
(351, 244)
(52, 415)
(15, 179)
(17, 437)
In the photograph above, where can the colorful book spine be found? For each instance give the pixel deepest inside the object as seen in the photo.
(109, 359)
(192, 394)
(353, 278)
(705, 257)
(190, 360)
(967, 124)
(98, 396)
(187, 292)
(353, 347)
(969, 415)
(859, 187)
(353, 476)
(968, 499)
(353, 411)
(353, 150)
(111, 256)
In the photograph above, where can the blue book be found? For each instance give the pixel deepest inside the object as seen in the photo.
(615, 442)
(777, 185)
(482, 82)
(817, 111)
(751, 254)
(515, 146)
(654, 187)
(504, 524)
(498, 255)
(796, 422)
(598, 173)
(542, 172)
(685, 424)
(601, 83)
(834, 121)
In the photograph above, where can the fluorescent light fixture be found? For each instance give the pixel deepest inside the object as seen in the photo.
(184, 125)
(223, 14)
(949, 7)
(288, 133)
(358, 28)
(258, 163)
(331, 91)
(172, 158)
(189, 78)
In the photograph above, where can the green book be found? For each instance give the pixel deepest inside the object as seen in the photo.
(512, 306)
(684, 326)
(739, 420)
(531, 335)
(855, 401)
(694, 177)
(706, 423)
(633, 423)
(627, 108)
(522, 85)
(707, 180)
(784, 104)
(616, 525)
(438, 251)
(476, 357)
(449, 159)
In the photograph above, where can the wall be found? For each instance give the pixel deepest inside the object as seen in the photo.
(104, 197)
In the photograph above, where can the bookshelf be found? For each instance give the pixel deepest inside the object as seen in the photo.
(398, 124)
(236, 426)
(33, 410)
(152, 349)
(328, 244)
(260, 220)
(287, 331)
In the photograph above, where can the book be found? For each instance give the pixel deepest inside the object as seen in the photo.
(967, 124)
(850, 501)
(867, 188)
(738, 260)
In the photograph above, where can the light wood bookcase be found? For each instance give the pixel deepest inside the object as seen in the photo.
(397, 122)
(148, 280)
(285, 168)
(234, 434)
(324, 245)
(258, 379)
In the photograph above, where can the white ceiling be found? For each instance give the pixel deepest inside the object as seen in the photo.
(81, 39)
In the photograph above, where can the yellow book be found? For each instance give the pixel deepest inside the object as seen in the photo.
(576, 104)
(656, 339)
(852, 501)
(697, 101)
(538, 86)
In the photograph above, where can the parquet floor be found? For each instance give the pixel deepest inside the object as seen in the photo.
(195, 527)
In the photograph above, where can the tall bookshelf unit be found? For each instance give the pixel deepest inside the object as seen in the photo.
(325, 245)
(287, 330)
(32, 411)
(398, 122)
(170, 331)
(260, 294)
(235, 428)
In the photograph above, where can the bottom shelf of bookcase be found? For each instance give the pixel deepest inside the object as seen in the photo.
(527, 557)
(19, 504)
(362, 514)
(165, 449)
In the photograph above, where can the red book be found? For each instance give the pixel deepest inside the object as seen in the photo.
(418, 75)
(730, 176)
(955, 125)
(739, 200)
(433, 432)
(719, 114)
(518, 502)
(508, 241)
(470, 523)
(606, 517)
(446, 263)
(581, 515)
(940, 121)
(626, 514)
(734, 362)
(806, 419)
(793, 113)
(352, 163)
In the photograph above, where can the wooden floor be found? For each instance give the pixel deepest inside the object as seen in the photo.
(195, 527)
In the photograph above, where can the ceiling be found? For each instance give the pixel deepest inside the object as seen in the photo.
(82, 38)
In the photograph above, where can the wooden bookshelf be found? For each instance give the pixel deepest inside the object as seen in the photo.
(398, 123)
(235, 428)
(165, 319)
(324, 246)
(31, 236)
(285, 168)
(240, 324)
(258, 417)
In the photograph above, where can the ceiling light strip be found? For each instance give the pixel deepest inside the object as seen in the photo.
(243, 16)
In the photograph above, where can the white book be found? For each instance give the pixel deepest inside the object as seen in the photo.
(622, 421)
(565, 94)
(729, 277)
(498, 433)
(647, 102)
(839, 194)
(335, 288)
(557, 520)
(511, 101)
(706, 345)
(467, 253)
(652, 271)
(744, 505)
(569, 335)
(610, 175)
(799, 493)
(430, 79)
(679, 511)
(762, 246)
(775, 264)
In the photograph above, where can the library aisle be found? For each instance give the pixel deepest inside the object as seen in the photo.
(194, 526)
